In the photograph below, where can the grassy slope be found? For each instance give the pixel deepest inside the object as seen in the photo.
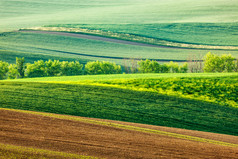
(31, 13)
(22, 14)
(118, 104)
(192, 33)
(42, 46)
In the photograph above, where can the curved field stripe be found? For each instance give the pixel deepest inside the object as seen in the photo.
(109, 57)
(128, 127)
(13, 151)
(130, 39)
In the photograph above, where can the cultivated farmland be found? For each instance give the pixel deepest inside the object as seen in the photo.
(74, 136)
(170, 115)
(183, 27)
(99, 100)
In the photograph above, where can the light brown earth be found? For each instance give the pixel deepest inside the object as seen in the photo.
(37, 131)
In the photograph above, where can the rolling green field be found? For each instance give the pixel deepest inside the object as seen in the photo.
(29, 13)
(181, 30)
(186, 21)
(192, 33)
(84, 96)
(44, 46)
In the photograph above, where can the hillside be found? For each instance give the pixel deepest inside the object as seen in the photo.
(58, 136)
(29, 13)
(186, 24)
(166, 115)
(132, 100)
(35, 46)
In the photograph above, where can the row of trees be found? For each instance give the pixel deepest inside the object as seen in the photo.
(148, 66)
(223, 63)
(211, 63)
(49, 68)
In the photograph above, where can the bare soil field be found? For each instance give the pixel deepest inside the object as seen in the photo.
(105, 141)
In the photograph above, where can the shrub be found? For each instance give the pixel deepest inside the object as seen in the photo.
(71, 68)
(173, 67)
(38, 69)
(183, 68)
(52, 68)
(20, 67)
(12, 71)
(147, 66)
(3, 69)
(223, 63)
(104, 67)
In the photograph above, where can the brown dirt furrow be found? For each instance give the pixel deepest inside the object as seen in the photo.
(23, 129)
(201, 134)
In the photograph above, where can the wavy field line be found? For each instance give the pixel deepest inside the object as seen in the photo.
(128, 39)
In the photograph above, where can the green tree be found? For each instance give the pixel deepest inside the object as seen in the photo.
(97, 67)
(211, 62)
(215, 63)
(3, 69)
(110, 68)
(52, 68)
(71, 68)
(228, 63)
(173, 67)
(236, 66)
(13, 72)
(147, 66)
(183, 68)
(37, 69)
(20, 66)
(164, 68)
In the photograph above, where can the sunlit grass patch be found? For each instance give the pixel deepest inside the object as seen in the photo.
(12, 151)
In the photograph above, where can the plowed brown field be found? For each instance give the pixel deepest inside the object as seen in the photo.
(83, 138)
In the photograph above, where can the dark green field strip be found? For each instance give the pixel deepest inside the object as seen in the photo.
(49, 46)
(196, 33)
(110, 57)
(119, 104)
(30, 57)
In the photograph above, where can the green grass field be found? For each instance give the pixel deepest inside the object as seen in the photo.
(34, 46)
(77, 96)
(29, 13)
(189, 33)
(203, 22)
(204, 102)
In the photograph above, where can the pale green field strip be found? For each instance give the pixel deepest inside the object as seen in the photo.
(12, 151)
(128, 127)
(129, 37)
(31, 13)
(93, 78)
